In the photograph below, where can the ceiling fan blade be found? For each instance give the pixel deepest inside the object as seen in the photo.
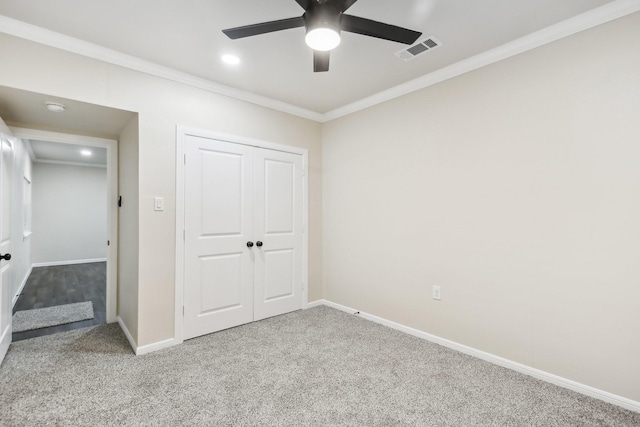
(320, 61)
(377, 29)
(264, 27)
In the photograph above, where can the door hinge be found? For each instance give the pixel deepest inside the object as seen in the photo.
(108, 242)
(183, 234)
(185, 159)
(304, 171)
(183, 310)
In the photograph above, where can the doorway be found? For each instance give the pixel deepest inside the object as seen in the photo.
(74, 180)
(65, 225)
(6, 263)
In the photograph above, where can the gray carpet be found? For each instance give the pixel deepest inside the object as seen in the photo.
(26, 320)
(317, 367)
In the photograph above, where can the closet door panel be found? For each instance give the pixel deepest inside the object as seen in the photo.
(218, 291)
(278, 226)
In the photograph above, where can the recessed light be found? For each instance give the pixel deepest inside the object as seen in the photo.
(230, 59)
(85, 152)
(55, 107)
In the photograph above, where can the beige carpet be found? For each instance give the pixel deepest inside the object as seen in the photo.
(317, 367)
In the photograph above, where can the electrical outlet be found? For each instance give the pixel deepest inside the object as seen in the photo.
(436, 292)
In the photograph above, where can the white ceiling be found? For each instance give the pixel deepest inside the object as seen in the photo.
(22, 108)
(186, 36)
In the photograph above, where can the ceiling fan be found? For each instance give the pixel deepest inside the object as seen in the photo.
(323, 20)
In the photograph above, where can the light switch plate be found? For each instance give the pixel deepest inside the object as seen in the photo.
(158, 204)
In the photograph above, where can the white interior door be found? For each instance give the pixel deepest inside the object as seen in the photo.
(243, 234)
(278, 229)
(218, 291)
(6, 172)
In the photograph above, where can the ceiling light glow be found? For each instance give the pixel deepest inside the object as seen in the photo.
(230, 59)
(55, 107)
(85, 153)
(322, 39)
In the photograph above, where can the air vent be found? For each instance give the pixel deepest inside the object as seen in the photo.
(418, 49)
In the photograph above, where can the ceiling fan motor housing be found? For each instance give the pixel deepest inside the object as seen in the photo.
(325, 15)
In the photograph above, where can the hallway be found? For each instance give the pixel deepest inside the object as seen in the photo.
(64, 284)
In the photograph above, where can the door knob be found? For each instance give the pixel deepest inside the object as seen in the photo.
(258, 243)
(249, 244)
(6, 257)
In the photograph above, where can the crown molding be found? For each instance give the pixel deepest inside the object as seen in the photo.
(603, 14)
(54, 39)
(595, 17)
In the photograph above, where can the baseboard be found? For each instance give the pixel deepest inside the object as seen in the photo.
(157, 346)
(132, 342)
(76, 261)
(316, 303)
(21, 288)
(497, 360)
(144, 349)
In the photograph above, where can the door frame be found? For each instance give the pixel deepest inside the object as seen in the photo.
(111, 146)
(6, 331)
(181, 133)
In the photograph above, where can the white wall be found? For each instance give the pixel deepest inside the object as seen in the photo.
(21, 250)
(516, 189)
(69, 213)
(162, 105)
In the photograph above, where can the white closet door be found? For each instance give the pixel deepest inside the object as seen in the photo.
(6, 292)
(278, 230)
(218, 291)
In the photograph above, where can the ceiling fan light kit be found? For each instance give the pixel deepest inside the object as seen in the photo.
(322, 39)
(324, 20)
(323, 26)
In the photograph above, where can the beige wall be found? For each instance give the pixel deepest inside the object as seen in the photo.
(162, 105)
(128, 227)
(516, 189)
